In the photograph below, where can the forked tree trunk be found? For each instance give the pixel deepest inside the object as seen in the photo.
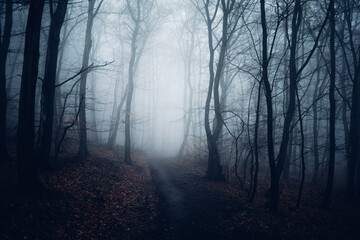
(48, 87)
(214, 168)
(277, 166)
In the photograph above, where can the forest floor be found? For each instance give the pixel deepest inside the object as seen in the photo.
(101, 197)
(196, 208)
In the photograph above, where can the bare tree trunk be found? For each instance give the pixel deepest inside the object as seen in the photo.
(274, 188)
(298, 202)
(27, 177)
(48, 87)
(293, 76)
(354, 135)
(4, 49)
(93, 108)
(330, 179)
(214, 168)
(276, 167)
(344, 111)
(315, 177)
(256, 145)
(14, 64)
(116, 122)
(136, 19)
(115, 116)
(188, 113)
(289, 156)
(83, 148)
(188, 65)
(58, 105)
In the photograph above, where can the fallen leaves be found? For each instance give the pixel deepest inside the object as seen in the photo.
(99, 198)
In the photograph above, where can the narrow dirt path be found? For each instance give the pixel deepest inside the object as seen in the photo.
(191, 210)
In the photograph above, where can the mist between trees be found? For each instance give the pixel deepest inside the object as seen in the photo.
(245, 87)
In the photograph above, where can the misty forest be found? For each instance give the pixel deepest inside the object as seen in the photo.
(188, 119)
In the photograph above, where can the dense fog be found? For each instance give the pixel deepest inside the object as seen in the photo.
(244, 87)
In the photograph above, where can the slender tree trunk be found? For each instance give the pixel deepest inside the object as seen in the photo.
(27, 177)
(293, 76)
(344, 111)
(14, 64)
(93, 109)
(298, 202)
(116, 123)
(188, 64)
(256, 144)
(288, 158)
(83, 147)
(115, 116)
(58, 105)
(188, 114)
(274, 188)
(4, 49)
(330, 179)
(315, 177)
(48, 87)
(354, 134)
(214, 168)
(135, 33)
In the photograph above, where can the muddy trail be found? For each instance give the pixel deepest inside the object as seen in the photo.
(191, 210)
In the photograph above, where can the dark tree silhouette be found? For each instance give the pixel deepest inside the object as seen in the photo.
(83, 148)
(210, 14)
(330, 178)
(354, 74)
(139, 12)
(27, 177)
(48, 87)
(5, 36)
